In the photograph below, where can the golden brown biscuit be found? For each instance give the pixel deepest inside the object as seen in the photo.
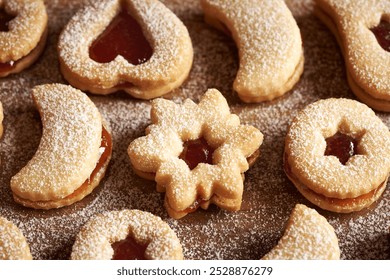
(197, 154)
(13, 244)
(159, 58)
(73, 154)
(337, 154)
(23, 34)
(361, 29)
(269, 45)
(126, 234)
(308, 236)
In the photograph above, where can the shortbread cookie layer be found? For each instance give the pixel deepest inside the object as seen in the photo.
(308, 236)
(366, 61)
(25, 39)
(13, 244)
(269, 45)
(73, 154)
(197, 153)
(96, 239)
(326, 180)
(165, 70)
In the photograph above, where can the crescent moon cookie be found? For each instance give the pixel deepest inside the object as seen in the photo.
(308, 236)
(73, 153)
(23, 33)
(269, 45)
(13, 244)
(337, 154)
(362, 29)
(138, 46)
(126, 235)
(197, 154)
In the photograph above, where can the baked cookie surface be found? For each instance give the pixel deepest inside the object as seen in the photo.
(152, 238)
(111, 67)
(316, 163)
(13, 244)
(23, 34)
(308, 236)
(268, 196)
(197, 154)
(268, 41)
(354, 23)
(73, 153)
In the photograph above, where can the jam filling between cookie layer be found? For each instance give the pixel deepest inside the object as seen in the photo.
(341, 146)
(106, 144)
(382, 34)
(123, 36)
(197, 151)
(5, 18)
(342, 202)
(128, 249)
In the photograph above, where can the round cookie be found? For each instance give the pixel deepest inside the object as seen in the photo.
(151, 237)
(23, 37)
(315, 165)
(13, 245)
(101, 62)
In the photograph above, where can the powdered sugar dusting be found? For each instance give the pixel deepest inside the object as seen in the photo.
(172, 51)
(25, 30)
(268, 196)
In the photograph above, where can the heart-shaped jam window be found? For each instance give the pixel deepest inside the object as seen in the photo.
(123, 36)
(382, 34)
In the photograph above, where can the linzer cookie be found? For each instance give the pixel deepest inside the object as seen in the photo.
(269, 45)
(13, 244)
(138, 46)
(197, 154)
(308, 236)
(362, 29)
(73, 154)
(127, 235)
(337, 154)
(23, 33)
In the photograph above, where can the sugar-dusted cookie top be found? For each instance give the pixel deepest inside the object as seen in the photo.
(220, 144)
(13, 244)
(325, 174)
(268, 41)
(156, 74)
(25, 30)
(98, 239)
(308, 236)
(367, 61)
(69, 147)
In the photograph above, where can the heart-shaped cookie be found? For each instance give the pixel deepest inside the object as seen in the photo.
(138, 46)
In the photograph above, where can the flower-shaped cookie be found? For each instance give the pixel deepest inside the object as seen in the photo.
(196, 153)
